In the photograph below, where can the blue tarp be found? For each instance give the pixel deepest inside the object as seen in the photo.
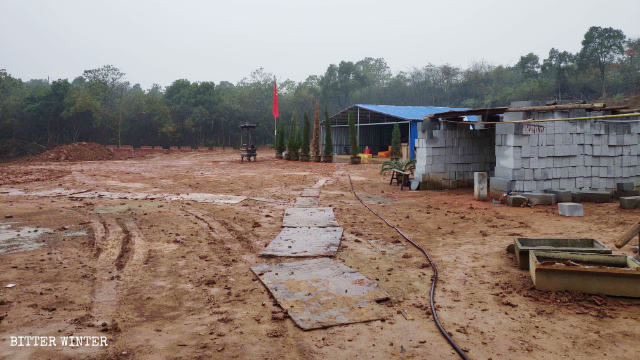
(411, 112)
(412, 140)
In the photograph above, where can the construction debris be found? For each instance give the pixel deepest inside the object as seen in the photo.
(305, 242)
(617, 275)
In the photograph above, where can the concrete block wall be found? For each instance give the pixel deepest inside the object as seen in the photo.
(565, 155)
(448, 155)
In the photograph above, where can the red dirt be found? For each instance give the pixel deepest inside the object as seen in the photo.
(80, 151)
(183, 288)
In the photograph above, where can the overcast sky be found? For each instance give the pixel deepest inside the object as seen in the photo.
(160, 41)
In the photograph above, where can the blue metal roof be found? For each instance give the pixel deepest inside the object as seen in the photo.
(410, 112)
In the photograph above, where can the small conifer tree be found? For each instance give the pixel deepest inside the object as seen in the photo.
(328, 143)
(305, 135)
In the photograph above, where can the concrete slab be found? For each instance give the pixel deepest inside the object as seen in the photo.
(500, 186)
(306, 202)
(480, 186)
(591, 196)
(522, 246)
(318, 293)
(515, 200)
(538, 198)
(617, 275)
(630, 202)
(310, 192)
(625, 186)
(313, 217)
(275, 201)
(85, 194)
(561, 195)
(305, 241)
(570, 209)
(620, 193)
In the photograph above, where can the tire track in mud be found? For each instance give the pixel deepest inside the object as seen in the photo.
(220, 230)
(120, 251)
(134, 247)
(108, 236)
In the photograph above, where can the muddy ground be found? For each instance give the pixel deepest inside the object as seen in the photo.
(171, 279)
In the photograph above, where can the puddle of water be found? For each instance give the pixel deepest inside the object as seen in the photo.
(16, 239)
(76, 233)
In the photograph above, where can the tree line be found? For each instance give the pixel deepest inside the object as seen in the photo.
(101, 106)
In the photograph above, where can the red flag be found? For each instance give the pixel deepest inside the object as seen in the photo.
(275, 99)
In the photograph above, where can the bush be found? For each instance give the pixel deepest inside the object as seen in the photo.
(328, 143)
(281, 145)
(402, 165)
(305, 136)
(292, 143)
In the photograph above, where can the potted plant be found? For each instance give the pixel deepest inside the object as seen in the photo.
(353, 140)
(396, 152)
(406, 166)
(327, 155)
(304, 151)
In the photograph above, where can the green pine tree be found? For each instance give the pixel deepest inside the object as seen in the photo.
(353, 136)
(280, 141)
(396, 152)
(305, 135)
(328, 143)
(292, 142)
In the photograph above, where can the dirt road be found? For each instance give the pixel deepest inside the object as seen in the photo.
(165, 278)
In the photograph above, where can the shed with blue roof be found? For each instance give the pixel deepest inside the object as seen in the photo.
(375, 124)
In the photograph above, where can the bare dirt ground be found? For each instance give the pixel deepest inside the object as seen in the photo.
(171, 279)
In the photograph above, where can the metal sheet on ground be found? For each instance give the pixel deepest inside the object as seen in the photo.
(306, 202)
(310, 192)
(318, 293)
(305, 241)
(313, 217)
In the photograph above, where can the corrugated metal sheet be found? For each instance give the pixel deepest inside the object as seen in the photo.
(410, 112)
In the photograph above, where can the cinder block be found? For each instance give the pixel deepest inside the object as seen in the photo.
(630, 202)
(540, 198)
(515, 200)
(570, 209)
(480, 186)
(625, 186)
(591, 196)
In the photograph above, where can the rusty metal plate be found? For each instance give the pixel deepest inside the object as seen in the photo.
(322, 292)
(305, 241)
(310, 192)
(306, 202)
(313, 217)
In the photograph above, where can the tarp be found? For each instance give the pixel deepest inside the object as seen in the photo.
(410, 112)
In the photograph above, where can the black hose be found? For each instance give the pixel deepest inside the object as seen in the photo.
(434, 278)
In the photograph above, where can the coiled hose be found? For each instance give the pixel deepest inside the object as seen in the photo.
(434, 278)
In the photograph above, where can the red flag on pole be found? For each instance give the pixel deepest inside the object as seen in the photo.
(275, 99)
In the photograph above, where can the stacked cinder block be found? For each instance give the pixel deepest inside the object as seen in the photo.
(448, 156)
(565, 155)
